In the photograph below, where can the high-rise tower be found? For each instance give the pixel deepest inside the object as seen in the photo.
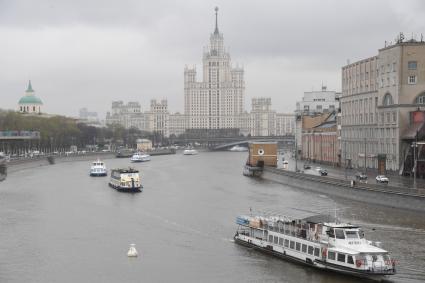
(218, 100)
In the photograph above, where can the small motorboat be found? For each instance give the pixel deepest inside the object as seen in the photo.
(190, 151)
(98, 168)
(140, 157)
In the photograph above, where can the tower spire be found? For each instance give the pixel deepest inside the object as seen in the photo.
(29, 89)
(216, 24)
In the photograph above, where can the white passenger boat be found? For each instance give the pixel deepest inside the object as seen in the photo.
(190, 152)
(140, 157)
(238, 148)
(98, 168)
(339, 247)
(126, 180)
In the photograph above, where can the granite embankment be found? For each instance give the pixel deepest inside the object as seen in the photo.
(392, 196)
(28, 163)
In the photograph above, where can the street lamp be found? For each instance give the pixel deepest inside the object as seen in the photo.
(345, 159)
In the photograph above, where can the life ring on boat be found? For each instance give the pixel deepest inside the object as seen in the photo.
(358, 262)
(324, 252)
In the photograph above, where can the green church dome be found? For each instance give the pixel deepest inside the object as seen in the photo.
(30, 99)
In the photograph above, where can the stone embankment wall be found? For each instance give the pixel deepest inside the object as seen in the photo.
(397, 197)
(22, 164)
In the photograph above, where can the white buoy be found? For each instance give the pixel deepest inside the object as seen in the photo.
(132, 252)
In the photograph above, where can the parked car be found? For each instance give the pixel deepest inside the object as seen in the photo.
(382, 179)
(307, 166)
(323, 172)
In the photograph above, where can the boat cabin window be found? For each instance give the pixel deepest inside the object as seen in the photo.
(286, 243)
(310, 250)
(351, 234)
(316, 252)
(292, 245)
(331, 233)
(386, 257)
(298, 246)
(331, 255)
(341, 257)
(350, 259)
(339, 233)
(281, 241)
(374, 258)
(304, 248)
(276, 239)
(270, 238)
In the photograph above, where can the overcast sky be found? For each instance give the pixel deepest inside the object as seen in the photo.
(88, 53)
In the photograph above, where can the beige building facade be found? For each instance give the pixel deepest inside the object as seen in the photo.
(379, 95)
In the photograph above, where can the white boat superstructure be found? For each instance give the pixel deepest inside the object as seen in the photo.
(98, 168)
(132, 252)
(125, 180)
(190, 151)
(339, 247)
(140, 157)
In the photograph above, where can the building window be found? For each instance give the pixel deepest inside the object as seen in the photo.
(388, 100)
(421, 99)
(412, 65)
(411, 80)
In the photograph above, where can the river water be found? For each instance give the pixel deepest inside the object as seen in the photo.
(57, 224)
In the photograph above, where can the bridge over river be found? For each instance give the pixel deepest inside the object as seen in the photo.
(224, 143)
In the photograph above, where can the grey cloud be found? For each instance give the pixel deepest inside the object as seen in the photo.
(93, 52)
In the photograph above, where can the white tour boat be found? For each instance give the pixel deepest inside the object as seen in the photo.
(125, 180)
(339, 247)
(140, 157)
(190, 152)
(238, 148)
(98, 168)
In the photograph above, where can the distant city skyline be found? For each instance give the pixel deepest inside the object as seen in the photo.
(87, 54)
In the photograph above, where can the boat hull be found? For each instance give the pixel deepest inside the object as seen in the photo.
(126, 189)
(252, 171)
(99, 174)
(321, 265)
